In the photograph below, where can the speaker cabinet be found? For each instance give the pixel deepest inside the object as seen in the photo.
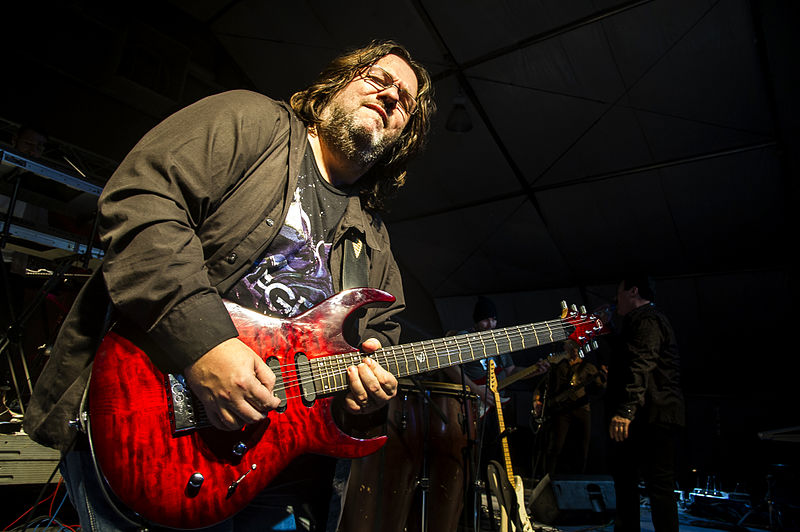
(581, 499)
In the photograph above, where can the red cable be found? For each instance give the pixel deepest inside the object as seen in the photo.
(53, 499)
(52, 496)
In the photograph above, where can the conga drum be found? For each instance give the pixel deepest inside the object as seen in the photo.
(384, 493)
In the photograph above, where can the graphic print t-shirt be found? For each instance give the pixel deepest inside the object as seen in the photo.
(294, 273)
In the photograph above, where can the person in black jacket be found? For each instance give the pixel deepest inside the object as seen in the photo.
(243, 198)
(646, 405)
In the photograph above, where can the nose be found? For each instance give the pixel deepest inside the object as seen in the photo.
(391, 95)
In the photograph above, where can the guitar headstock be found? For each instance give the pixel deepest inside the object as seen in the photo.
(491, 380)
(587, 327)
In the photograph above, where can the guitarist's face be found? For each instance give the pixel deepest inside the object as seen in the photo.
(627, 298)
(486, 324)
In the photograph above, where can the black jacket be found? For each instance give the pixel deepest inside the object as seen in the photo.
(644, 369)
(197, 200)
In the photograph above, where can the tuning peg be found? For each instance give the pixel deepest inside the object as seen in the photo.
(563, 309)
(583, 309)
(595, 344)
(574, 308)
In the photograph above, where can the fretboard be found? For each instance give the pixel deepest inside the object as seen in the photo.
(428, 355)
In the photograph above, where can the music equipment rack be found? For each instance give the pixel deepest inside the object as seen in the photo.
(47, 237)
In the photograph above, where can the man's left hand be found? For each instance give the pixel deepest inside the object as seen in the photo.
(543, 366)
(371, 386)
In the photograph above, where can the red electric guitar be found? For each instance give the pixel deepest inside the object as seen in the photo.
(165, 462)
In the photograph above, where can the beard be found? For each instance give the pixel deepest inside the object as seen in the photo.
(354, 141)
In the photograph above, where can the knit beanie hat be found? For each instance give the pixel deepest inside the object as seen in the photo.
(484, 308)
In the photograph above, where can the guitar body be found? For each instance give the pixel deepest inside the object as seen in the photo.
(149, 465)
(524, 522)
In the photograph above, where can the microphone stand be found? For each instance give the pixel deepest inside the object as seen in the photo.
(13, 333)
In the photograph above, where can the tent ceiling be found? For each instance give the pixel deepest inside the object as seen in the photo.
(607, 135)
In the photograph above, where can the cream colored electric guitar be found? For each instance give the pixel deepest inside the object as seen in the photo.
(506, 486)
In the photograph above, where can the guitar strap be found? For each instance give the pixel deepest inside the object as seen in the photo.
(354, 265)
(354, 275)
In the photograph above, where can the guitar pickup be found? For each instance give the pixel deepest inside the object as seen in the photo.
(308, 391)
(279, 390)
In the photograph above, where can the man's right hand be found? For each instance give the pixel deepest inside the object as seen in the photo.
(234, 384)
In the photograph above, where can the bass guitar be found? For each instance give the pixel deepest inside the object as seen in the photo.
(162, 459)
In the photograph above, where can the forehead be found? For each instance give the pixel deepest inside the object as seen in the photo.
(402, 71)
(621, 289)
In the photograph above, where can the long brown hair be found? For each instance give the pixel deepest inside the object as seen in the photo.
(389, 173)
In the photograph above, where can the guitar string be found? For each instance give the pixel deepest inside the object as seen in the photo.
(469, 341)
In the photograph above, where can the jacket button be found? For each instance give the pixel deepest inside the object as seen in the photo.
(231, 258)
(270, 222)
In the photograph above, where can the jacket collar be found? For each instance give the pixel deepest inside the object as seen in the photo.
(357, 218)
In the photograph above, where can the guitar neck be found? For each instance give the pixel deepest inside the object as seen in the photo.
(552, 359)
(501, 425)
(428, 355)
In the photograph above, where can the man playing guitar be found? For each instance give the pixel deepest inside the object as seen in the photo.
(259, 202)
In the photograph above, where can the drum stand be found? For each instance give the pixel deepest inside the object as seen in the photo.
(478, 482)
(424, 479)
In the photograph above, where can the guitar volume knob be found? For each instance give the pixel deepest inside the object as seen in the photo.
(196, 480)
(193, 486)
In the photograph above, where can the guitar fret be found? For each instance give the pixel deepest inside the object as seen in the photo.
(330, 374)
(323, 377)
(416, 362)
(550, 331)
(339, 373)
(428, 359)
(326, 374)
(447, 351)
(396, 363)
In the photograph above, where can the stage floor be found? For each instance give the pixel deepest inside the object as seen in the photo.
(700, 519)
(688, 523)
